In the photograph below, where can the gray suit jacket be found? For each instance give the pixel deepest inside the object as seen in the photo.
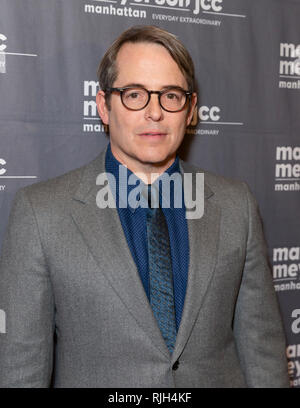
(66, 268)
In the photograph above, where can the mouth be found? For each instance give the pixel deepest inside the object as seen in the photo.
(153, 134)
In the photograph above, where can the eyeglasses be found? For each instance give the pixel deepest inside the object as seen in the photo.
(137, 98)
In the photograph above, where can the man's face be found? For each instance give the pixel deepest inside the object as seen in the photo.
(147, 139)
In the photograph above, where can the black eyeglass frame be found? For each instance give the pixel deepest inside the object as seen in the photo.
(149, 92)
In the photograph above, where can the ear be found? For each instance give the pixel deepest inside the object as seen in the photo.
(192, 108)
(102, 107)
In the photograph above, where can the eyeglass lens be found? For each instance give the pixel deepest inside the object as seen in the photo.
(137, 98)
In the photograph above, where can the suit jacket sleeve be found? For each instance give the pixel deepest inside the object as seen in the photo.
(26, 347)
(258, 325)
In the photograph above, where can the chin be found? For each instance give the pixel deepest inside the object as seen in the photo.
(155, 159)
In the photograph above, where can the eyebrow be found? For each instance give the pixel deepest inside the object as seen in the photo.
(143, 86)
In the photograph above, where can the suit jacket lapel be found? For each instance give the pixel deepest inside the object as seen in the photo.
(103, 234)
(203, 243)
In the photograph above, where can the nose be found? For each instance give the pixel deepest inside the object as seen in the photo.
(153, 110)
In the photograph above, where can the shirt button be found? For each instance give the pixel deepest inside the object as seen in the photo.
(175, 365)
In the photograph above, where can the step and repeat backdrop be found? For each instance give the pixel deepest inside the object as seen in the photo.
(247, 123)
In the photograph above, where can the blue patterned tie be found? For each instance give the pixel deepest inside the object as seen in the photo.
(160, 274)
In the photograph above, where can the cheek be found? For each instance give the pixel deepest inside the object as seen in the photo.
(179, 125)
(122, 129)
(124, 120)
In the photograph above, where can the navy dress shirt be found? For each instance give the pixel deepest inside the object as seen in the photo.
(133, 220)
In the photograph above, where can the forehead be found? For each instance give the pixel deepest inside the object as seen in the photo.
(149, 64)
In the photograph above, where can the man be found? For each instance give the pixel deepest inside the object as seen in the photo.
(138, 296)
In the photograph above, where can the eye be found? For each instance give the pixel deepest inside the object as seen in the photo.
(173, 95)
(134, 94)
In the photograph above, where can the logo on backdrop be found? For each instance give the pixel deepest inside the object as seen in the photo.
(3, 46)
(206, 12)
(5, 176)
(2, 172)
(210, 121)
(293, 351)
(287, 168)
(3, 39)
(289, 66)
(91, 120)
(286, 268)
(4, 52)
(2, 168)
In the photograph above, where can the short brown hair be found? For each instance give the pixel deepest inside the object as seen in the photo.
(107, 72)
